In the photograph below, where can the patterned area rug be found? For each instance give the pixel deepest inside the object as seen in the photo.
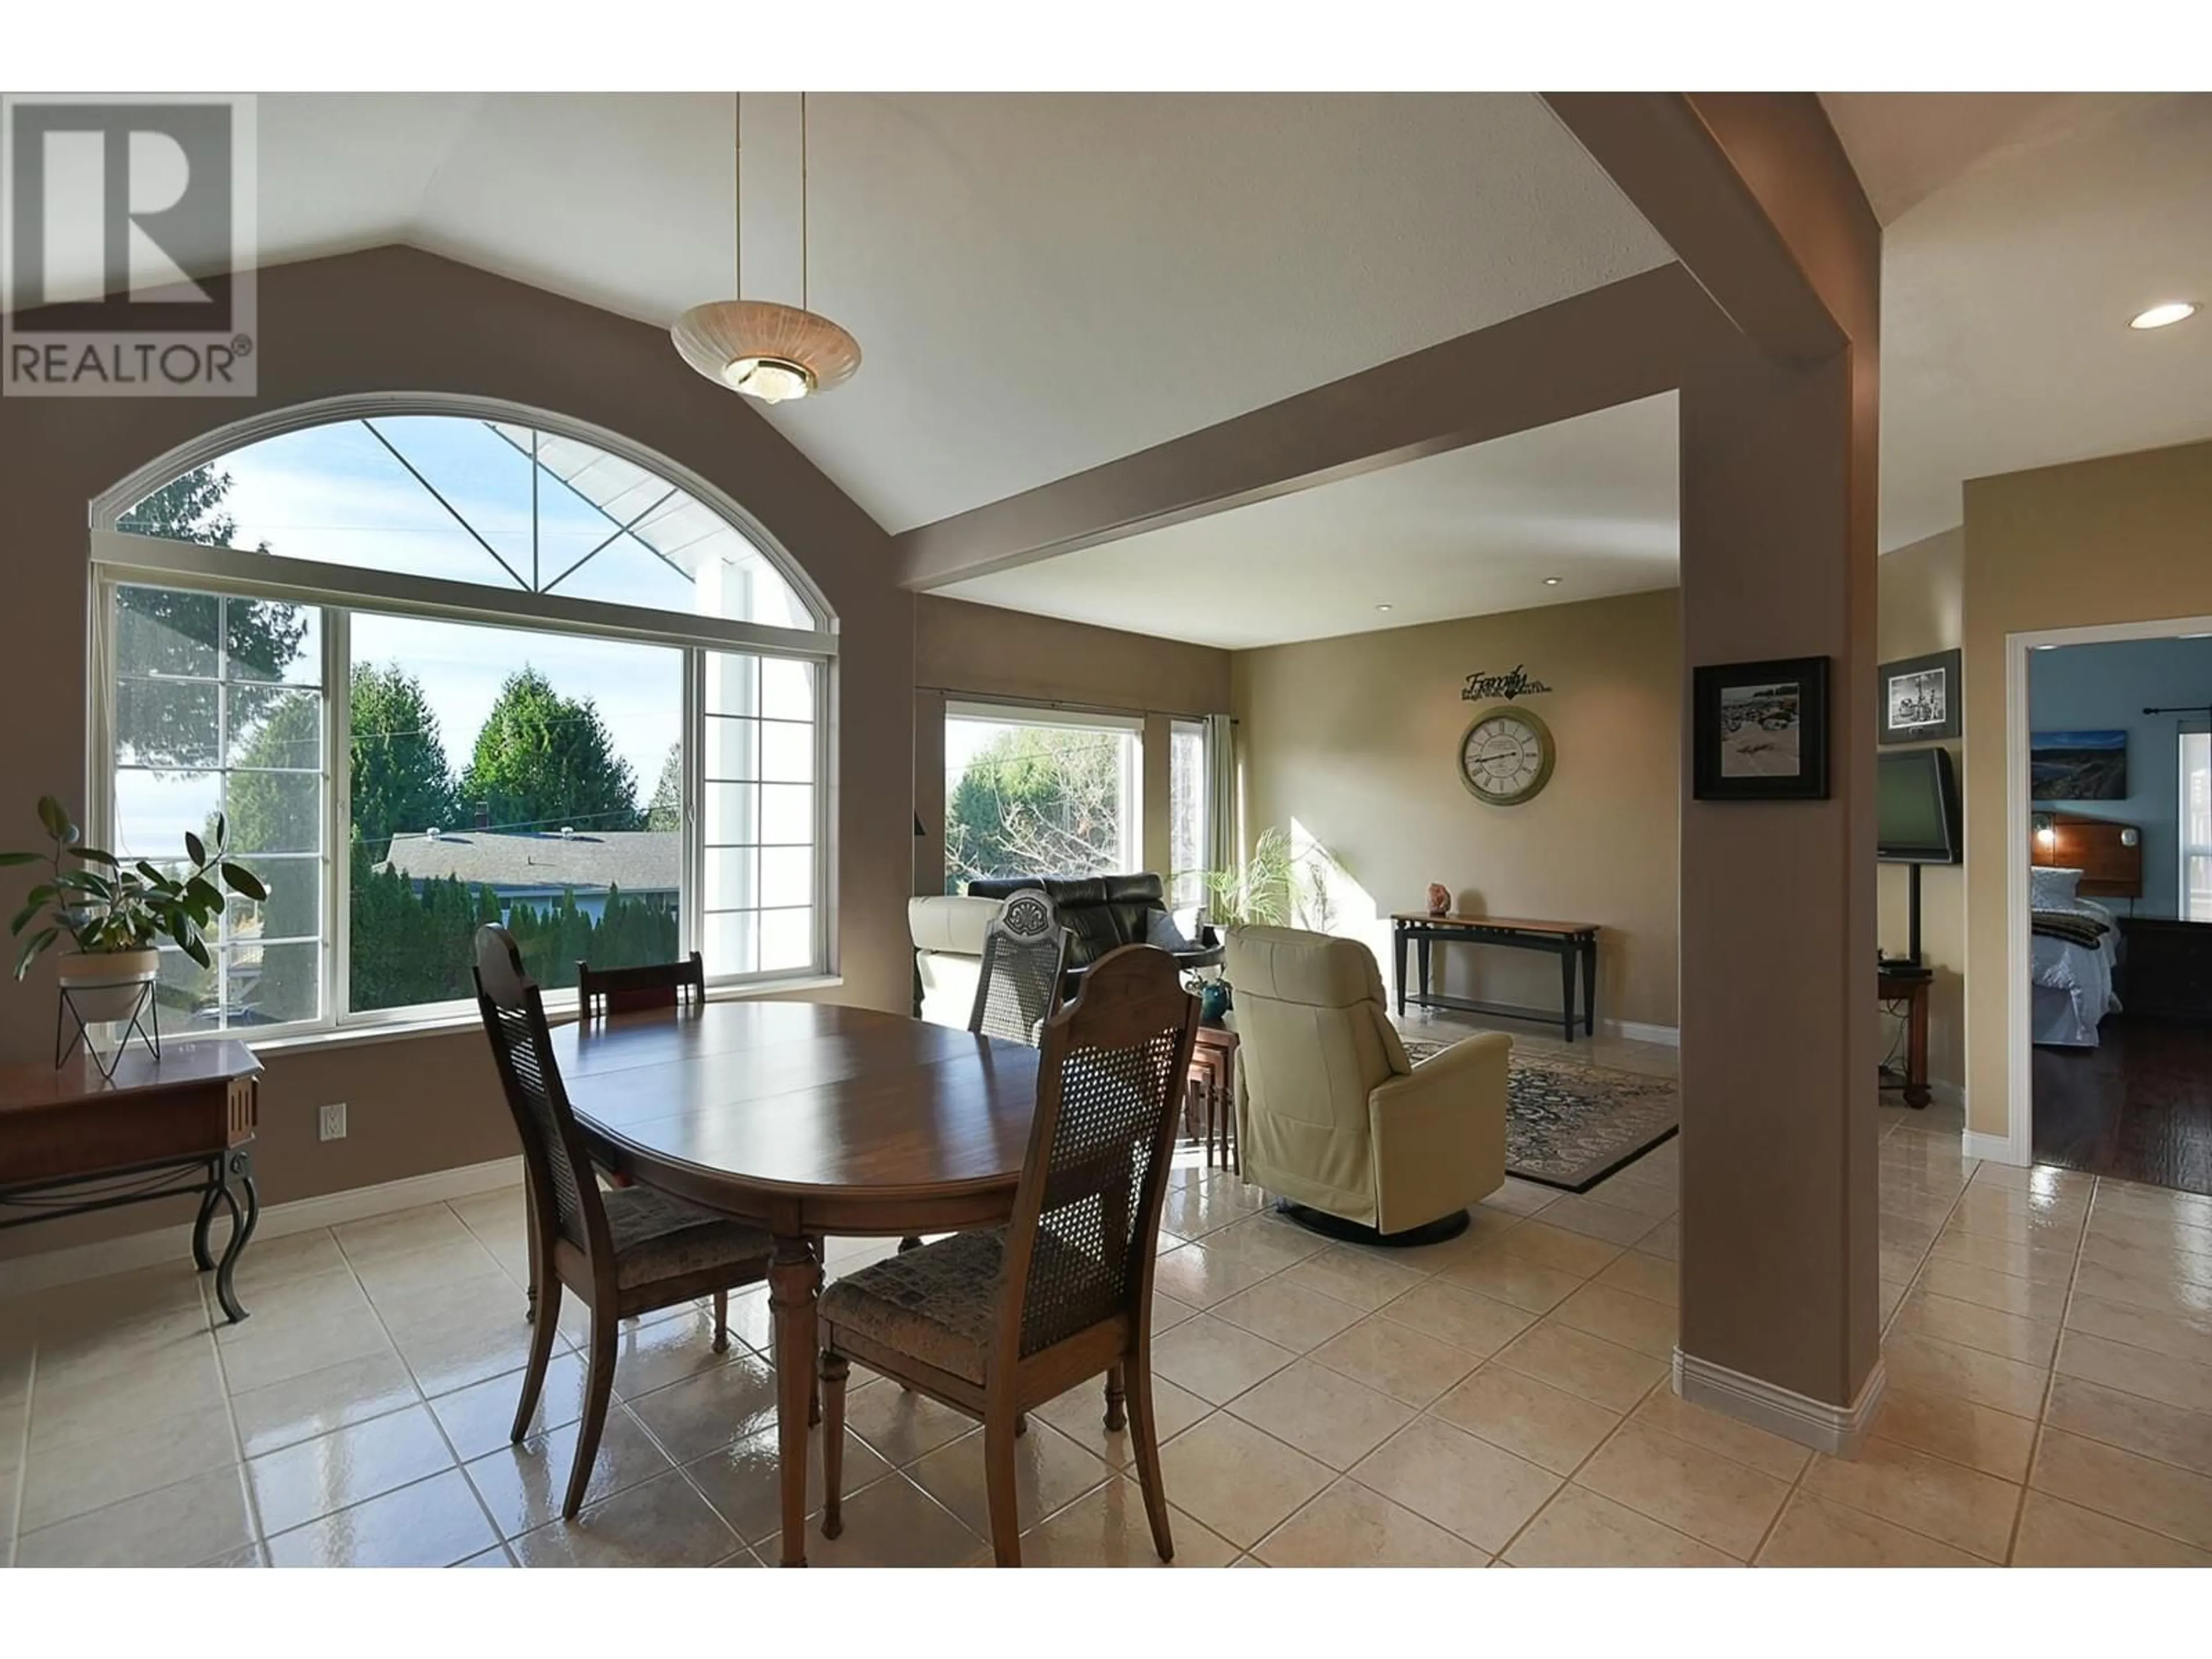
(1569, 1125)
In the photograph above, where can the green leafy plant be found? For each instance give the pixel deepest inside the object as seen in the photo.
(107, 906)
(1276, 887)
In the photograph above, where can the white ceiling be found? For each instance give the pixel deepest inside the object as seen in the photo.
(1594, 501)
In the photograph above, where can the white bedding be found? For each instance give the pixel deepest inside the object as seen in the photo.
(2072, 984)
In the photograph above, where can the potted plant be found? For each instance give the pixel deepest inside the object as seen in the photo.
(1277, 887)
(119, 914)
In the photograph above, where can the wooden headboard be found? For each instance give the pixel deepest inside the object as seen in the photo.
(2110, 868)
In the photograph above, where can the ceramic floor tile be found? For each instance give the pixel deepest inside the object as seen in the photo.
(267, 1351)
(1471, 1322)
(1350, 1525)
(893, 1523)
(1050, 1472)
(1109, 1528)
(316, 1402)
(2024, 1298)
(1530, 1418)
(1524, 1198)
(1663, 1241)
(479, 1418)
(1715, 1499)
(651, 1355)
(1481, 1493)
(1196, 1277)
(1287, 1315)
(2115, 1364)
(1167, 1312)
(1396, 1359)
(1559, 1249)
(271, 1261)
(2155, 1496)
(178, 1526)
(1264, 1241)
(2176, 1335)
(128, 1401)
(744, 1480)
(1995, 1442)
(1215, 1360)
(1972, 1325)
(1602, 1372)
(523, 1486)
(1930, 1366)
(901, 1426)
(2131, 1254)
(2169, 1233)
(1633, 1322)
(1650, 1277)
(1580, 1528)
(1237, 1482)
(692, 1418)
(153, 1342)
(2157, 1292)
(59, 1482)
(1581, 1214)
(1323, 1414)
(432, 1523)
(449, 1261)
(1814, 1533)
(661, 1523)
(1495, 1273)
(2056, 1534)
(403, 1230)
(1655, 1194)
(1080, 1414)
(315, 1478)
(2046, 1264)
(1366, 1279)
(2149, 1427)
(1668, 1412)
(1939, 1499)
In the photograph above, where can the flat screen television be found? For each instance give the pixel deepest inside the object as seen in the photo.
(1917, 807)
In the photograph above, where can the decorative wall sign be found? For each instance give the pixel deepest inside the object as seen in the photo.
(1920, 698)
(1514, 683)
(1761, 730)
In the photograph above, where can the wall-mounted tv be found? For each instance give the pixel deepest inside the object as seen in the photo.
(1917, 811)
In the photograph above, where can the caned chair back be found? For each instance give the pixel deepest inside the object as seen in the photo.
(1086, 1216)
(565, 1194)
(628, 990)
(1024, 952)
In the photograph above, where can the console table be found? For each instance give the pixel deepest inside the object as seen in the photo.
(72, 1142)
(1905, 995)
(1575, 944)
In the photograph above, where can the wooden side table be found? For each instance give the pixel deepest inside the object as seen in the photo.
(72, 1142)
(1907, 994)
(1213, 1088)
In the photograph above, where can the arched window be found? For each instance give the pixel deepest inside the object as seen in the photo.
(436, 663)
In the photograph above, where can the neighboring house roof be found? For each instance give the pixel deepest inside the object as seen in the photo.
(635, 861)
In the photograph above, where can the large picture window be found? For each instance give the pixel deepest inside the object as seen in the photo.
(1039, 793)
(439, 670)
(2196, 826)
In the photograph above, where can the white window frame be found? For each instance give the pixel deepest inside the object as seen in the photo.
(1081, 719)
(120, 558)
(2189, 849)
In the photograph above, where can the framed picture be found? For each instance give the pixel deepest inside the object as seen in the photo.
(1921, 698)
(2077, 765)
(1761, 730)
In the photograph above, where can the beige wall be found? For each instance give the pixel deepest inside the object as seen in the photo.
(1923, 595)
(982, 651)
(1354, 742)
(2123, 539)
(395, 320)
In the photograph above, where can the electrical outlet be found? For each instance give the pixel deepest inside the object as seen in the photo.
(330, 1123)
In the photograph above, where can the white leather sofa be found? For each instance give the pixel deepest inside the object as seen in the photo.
(948, 952)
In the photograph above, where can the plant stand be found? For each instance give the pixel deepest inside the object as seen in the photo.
(144, 1018)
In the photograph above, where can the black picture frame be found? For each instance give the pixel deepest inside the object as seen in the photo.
(1934, 677)
(1789, 696)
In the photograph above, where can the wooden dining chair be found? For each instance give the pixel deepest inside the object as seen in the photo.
(1025, 954)
(629, 990)
(996, 1322)
(625, 1252)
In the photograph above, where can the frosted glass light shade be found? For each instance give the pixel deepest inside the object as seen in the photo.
(766, 350)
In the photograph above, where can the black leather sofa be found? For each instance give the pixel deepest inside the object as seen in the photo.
(1104, 912)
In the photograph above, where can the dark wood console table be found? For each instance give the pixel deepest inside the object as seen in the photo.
(1575, 942)
(72, 1142)
(1906, 995)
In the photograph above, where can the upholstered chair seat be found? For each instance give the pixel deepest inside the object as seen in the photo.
(658, 1236)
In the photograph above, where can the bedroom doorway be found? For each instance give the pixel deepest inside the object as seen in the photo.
(2118, 901)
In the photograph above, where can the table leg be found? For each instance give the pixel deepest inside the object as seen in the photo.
(1567, 989)
(1398, 965)
(239, 1168)
(794, 1281)
(1424, 948)
(1589, 988)
(1916, 1049)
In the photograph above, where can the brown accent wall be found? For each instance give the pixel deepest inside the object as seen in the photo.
(1922, 593)
(961, 649)
(1355, 740)
(2128, 538)
(394, 320)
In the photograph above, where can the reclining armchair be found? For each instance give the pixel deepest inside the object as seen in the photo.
(1331, 1115)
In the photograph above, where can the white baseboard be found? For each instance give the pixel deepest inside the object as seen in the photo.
(1993, 1149)
(77, 1262)
(1636, 1031)
(1836, 1430)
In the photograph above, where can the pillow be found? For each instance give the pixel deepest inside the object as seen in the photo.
(1164, 931)
(2051, 889)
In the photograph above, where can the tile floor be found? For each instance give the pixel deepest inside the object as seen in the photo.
(1499, 1398)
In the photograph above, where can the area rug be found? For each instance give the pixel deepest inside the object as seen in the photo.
(1569, 1125)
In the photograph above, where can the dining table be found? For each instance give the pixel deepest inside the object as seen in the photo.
(809, 1119)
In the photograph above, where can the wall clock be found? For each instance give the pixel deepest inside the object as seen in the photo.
(1506, 756)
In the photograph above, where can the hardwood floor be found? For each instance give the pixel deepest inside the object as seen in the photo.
(2138, 1106)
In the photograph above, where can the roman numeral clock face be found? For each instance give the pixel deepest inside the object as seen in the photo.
(1506, 756)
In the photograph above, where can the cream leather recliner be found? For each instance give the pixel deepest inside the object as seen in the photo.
(1331, 1114)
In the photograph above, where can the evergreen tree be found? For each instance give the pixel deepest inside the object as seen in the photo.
(543, 760)
(400, 778)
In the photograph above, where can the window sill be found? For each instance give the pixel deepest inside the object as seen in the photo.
(353, 1037)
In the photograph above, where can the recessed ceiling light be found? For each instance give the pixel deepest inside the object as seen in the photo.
(2165, 316)
(1553, 581)
(1381, 607)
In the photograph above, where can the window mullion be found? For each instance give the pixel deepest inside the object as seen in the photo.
(337, 813)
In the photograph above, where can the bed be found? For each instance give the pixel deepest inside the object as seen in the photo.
(2075, 940)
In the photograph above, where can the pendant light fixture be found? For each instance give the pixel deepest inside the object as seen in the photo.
(768, 351)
